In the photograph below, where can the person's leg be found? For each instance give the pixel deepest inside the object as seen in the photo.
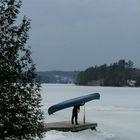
(76, 118)
(72, 119)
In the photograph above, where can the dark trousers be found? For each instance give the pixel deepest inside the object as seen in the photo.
(74, 117)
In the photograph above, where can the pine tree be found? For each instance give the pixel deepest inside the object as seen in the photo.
(20, 102)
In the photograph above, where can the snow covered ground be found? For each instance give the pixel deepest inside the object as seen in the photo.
(117, 112)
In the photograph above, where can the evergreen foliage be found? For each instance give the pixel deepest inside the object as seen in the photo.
(117, 74)
(20, 101)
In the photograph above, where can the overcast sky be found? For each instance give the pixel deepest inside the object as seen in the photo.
(77, 34)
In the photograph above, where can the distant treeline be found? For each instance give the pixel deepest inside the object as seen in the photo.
(57, 76)
(120, 73)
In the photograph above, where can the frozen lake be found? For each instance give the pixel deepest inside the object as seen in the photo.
(117, 112)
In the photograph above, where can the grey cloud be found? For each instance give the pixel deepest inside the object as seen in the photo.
(76, 34)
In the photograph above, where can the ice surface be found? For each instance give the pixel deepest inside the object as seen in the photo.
(117, 112)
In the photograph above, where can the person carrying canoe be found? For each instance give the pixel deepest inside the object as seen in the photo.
(75, 111)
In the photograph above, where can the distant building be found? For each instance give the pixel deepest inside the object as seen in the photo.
(95, 83)
(63, 79)
(131, 83)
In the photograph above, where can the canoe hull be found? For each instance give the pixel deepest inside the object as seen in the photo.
(73, 102)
